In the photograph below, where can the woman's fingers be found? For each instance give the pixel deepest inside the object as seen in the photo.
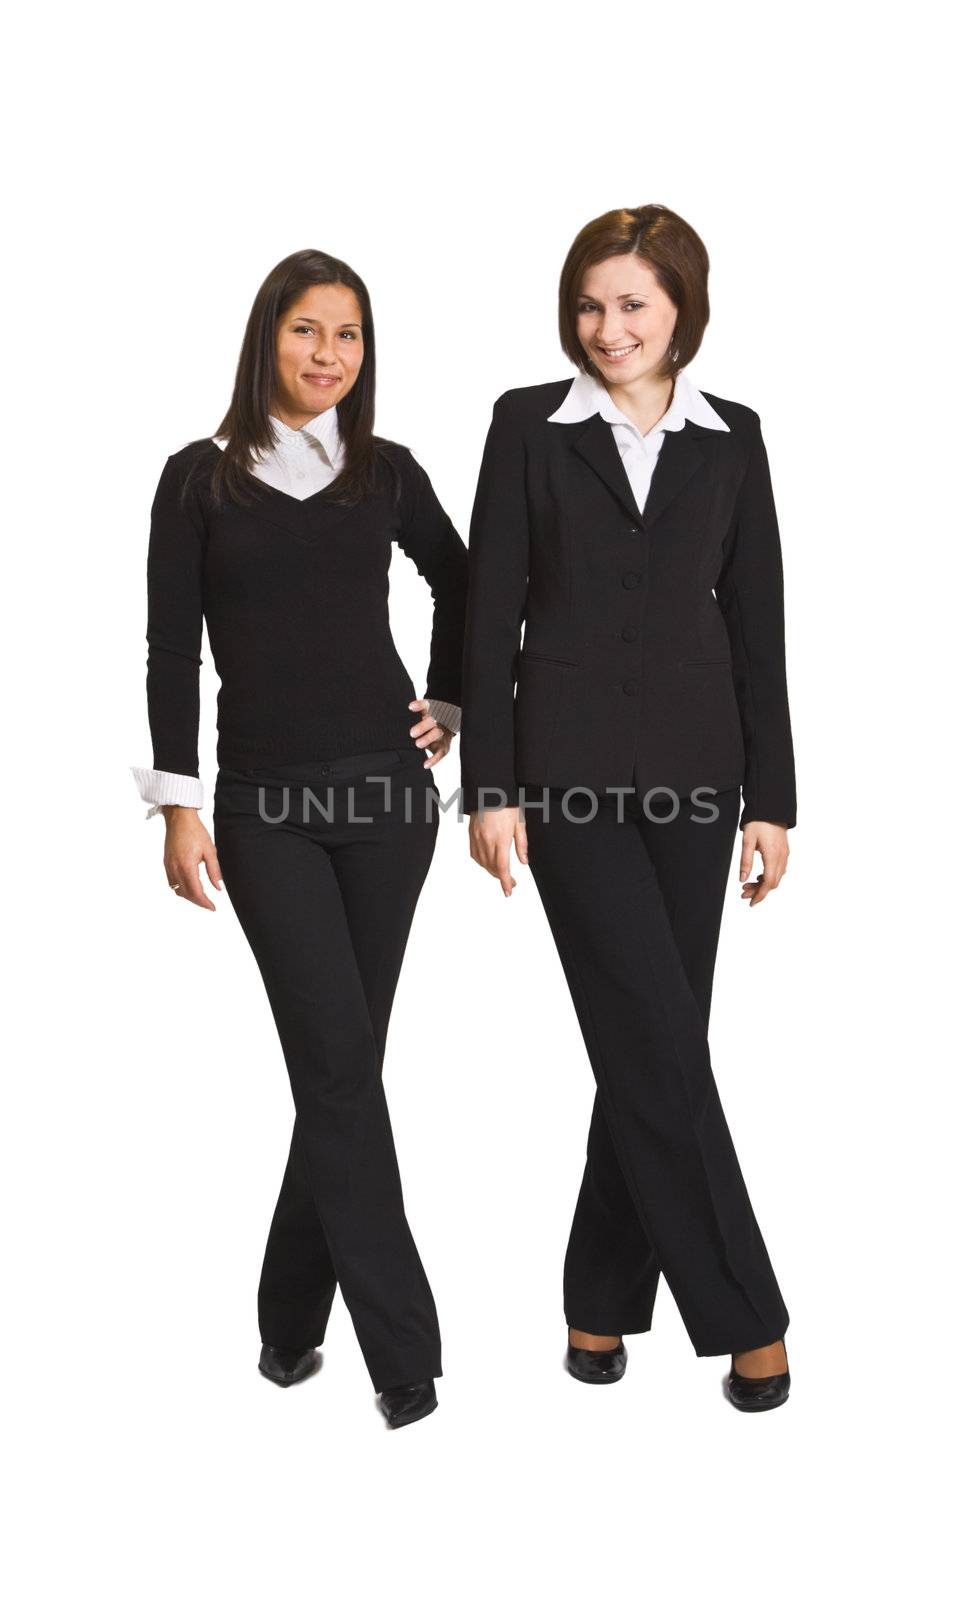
(499, 869)
(746, 855)
(492, 862)
(428, 734)
(212, 868)
(490, 834)
(186, 874)
(185, 879)
(439, 747)
(421, 730)
(426, 722)
(198, 894)
(774, 869)
(502, 871)
(770, 839)
(187, 844)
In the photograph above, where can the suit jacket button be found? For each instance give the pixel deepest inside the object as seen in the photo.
(635, 528)
(630, 580)
(629, 633)
(630, 686)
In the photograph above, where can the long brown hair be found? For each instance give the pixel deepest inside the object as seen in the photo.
(246, 426)
(676, 254)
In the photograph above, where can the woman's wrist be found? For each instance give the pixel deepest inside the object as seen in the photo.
(170, 812)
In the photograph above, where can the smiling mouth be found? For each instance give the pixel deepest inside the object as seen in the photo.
(620, 354)
(321, 377)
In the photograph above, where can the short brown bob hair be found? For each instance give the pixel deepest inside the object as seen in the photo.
(674, 251)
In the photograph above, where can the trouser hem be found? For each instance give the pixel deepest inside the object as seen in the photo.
(602, 1326)
(415, 1366)
(281, 1332)
(285, 1340)
(748, 1340)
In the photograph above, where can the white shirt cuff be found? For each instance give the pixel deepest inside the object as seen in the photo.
(168, 789)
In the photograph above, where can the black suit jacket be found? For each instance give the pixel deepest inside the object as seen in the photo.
(653, 653)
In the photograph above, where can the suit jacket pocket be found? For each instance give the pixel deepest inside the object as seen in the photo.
(555, 661)
(538, 696)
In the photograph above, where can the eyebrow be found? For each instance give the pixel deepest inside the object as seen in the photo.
(316, 324)
(634, 294)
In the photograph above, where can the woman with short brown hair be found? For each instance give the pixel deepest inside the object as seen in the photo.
(627, 519)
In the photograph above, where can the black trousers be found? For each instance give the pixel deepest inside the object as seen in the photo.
(634, 902)
(325, 897)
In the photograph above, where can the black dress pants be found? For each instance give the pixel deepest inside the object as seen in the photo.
(325, 896)
(634, 901)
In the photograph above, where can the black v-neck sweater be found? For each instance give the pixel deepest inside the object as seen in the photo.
(294, 597)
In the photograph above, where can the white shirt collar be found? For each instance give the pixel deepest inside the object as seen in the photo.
(324, 428)
(587, 396)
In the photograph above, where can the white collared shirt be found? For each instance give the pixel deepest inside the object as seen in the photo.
(639, 451)
(301, 462)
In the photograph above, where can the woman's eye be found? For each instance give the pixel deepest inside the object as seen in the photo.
(630, 305)
(349, 333)
(302, 328)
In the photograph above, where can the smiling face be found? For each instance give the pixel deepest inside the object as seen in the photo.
(319, 352)
(625, 320)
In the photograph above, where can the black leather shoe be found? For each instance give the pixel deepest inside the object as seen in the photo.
(757, 1394)
(596, 1366)
(287, 1366)
(408, 1402)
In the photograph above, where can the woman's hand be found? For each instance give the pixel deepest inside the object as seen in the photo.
(187, 843)
(490, 834)
(428, 734)
(770, 838)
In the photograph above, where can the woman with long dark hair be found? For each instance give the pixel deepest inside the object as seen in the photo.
(279, 532)
(627, 518)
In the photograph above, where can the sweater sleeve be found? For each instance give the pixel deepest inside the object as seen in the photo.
(428, 536)
(175, 554)
(498, 554)
(447, 715)
(750, 593)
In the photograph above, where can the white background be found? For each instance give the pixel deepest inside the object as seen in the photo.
(162, 162)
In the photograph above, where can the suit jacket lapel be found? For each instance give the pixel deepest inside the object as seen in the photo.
(679, 458)
(681, 454)
(596, 444)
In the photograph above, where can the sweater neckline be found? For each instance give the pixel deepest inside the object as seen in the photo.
(290, 499)
(294, 517)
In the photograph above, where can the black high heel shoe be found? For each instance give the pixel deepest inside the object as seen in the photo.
(596, 1366)
(408, 1402)
(758, 1394)
(286, 1367)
